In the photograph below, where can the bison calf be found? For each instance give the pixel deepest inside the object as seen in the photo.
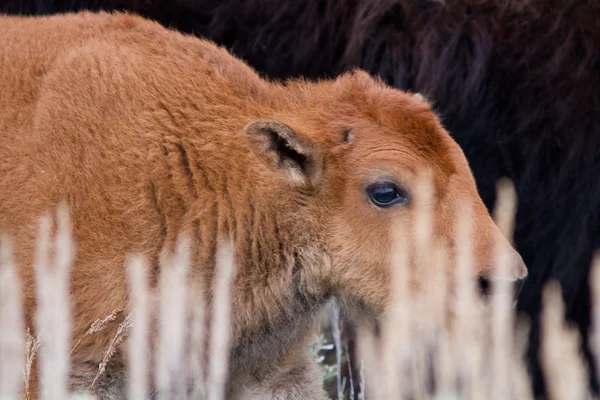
(145, 133)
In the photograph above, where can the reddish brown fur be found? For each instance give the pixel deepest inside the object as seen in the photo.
(145, 133)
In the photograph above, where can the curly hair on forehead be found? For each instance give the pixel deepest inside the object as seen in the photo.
(515, 82)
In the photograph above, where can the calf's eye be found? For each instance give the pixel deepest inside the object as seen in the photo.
(386, 194)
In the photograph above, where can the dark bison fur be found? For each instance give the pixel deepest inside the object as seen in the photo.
(517, 83)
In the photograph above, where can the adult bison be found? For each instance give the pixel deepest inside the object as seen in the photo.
(516, 83)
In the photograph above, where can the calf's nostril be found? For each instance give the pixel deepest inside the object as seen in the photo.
(485, 286)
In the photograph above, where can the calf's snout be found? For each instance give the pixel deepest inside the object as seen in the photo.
(517, 274)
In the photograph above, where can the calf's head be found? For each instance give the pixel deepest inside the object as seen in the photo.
(351, 151)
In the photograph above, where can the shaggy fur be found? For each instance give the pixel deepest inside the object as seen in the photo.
(146, 133)
(516, 83)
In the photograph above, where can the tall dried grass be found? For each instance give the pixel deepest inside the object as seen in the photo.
(138, 350)
(53, 308)
(433, 343)
(12, 333)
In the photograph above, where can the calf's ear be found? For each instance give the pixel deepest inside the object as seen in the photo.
(283, 149)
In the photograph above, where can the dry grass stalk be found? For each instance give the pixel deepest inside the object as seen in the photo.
(337, 340)
(395, 327)
(506, 208)
(595, 294)
(121, 333)
(138, 352)
(32, 344)
(428, 278)
(53, 311)
(372, 378)
(100, 324)
(469, 336)
(423, 285)
(445, 361)
(423, 225)
(96, 326)
(522, 389)
(220, 322)
(170, 376)
(12, 343)
(197, 336)
(350, 376)
(361, 393)
(501, 301)
(563, 367)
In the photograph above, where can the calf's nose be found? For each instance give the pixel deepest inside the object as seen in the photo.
(517, 276)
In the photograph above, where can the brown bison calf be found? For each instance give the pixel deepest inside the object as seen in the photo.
(145, 132)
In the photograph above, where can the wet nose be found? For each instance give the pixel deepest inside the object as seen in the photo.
(517, 276)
